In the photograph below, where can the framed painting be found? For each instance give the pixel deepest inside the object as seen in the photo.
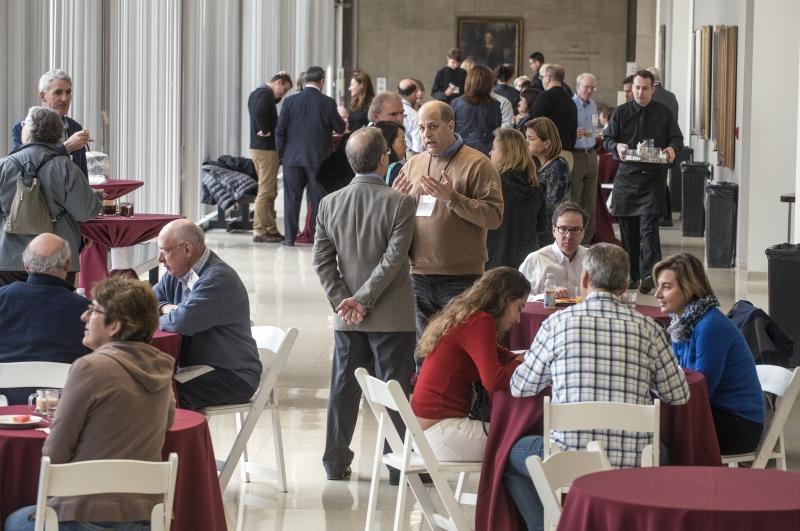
(491, 41)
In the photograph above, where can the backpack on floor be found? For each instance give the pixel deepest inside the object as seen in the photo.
(29, 214)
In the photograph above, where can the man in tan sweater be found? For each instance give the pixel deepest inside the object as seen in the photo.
(459, 197)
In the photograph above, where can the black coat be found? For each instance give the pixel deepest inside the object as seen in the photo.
(524, 216)
(556, 105)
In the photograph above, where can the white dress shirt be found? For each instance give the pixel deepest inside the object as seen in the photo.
(413, 137)
(550, 259)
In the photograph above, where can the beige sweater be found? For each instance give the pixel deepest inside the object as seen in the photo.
(452, 241)
(117, 404)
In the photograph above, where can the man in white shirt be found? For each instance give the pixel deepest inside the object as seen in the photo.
(407, 89)
(564, 258)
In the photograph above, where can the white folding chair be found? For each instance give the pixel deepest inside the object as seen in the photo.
(32, 374)
(107, 476)
(605, 416)
(381, 396)
(274, 346)
(785, 385)
(554, 475)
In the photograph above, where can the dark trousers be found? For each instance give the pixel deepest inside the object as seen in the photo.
(295, 180)
(216, 388)
(389, 356)
(432, 293)
(736, 434)
(640, 238)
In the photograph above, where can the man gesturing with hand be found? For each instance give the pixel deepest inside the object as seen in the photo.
(361, 248)
(459, 198)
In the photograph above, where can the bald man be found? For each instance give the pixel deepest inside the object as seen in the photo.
(407, 89)
(41, 318)
(459, 198)
(202, 298)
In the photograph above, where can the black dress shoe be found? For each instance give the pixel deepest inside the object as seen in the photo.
(646, 286)
(287, 243)
(633, 284)
(394, 477)
(268, 238)
(340, 475)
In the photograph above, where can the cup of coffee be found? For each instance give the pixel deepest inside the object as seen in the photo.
(53, 397)
(126, 209)
(41, 401)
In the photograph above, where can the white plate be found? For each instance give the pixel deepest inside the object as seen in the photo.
(7, 422)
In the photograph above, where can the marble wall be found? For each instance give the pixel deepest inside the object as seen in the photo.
(411, 38)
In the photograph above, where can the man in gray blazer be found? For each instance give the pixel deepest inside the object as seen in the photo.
(361, 257)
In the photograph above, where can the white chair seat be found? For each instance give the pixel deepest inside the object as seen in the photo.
(42, 374)
(417, 464)
(274, 347)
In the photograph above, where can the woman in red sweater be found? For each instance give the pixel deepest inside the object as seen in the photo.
(460, 345)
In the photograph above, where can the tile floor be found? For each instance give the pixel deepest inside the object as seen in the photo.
(284, 291)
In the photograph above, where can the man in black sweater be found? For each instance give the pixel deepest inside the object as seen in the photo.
(555, 104)
(263, 118)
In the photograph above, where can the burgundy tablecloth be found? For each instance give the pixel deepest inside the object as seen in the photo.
(114, 231)
(169, 342)
(198, 501)
(534, 313)
(115, 188)
(603, 221)
(669, 498)
(687, 431)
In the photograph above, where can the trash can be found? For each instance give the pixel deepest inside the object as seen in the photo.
(722, 200)
(783, 286)
(694, 176)
(686, 154)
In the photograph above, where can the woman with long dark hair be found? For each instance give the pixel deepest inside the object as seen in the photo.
(460, 346)
(361, 95)
(705, 340)
(524, 210)
(395, 136)
(477, 113)
(544, 145)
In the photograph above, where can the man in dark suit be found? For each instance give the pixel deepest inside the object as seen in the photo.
(55, 92)
(364, 233)
(303, 138)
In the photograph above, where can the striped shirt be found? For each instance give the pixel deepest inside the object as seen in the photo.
(602, 350)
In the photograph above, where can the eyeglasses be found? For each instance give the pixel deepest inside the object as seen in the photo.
(93, 309)
(165, 250)
(571, 230)
(589, 87)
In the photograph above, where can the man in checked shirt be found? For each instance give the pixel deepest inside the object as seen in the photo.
(599, 350)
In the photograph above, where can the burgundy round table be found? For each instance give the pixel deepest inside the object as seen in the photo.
(114, 231)
(687, 431)
(169, 343)
(534, 313)
(115, 188)
(669, 498)
(198, 501)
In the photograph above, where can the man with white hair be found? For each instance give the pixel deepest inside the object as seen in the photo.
(203, 299)
(41, 318)
(386, 107)
(55, 93)
(583, 184)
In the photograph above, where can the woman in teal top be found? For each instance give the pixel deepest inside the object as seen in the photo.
(705, 340)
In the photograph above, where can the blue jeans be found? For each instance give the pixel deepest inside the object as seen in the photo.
(518, 482)
(23, 520)
(432, 293)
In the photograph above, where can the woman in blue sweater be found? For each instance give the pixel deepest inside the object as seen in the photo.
(705, 340)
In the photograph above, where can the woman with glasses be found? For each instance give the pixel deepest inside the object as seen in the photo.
(705, 340)
(117, 403)
(361, 95)
(544, 145)
(477, 113)
(524, 211)
(461, 346)
(395, 136)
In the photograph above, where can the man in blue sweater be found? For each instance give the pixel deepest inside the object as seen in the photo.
(41, 318)
(202, 298)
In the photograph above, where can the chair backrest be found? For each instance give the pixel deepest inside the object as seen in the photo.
(381, 396)
(34, 374)
(274, 346)
(785, 384)
(605, 416)
(557, 472)
(107, 476)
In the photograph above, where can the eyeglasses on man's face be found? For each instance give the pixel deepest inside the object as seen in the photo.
(572, 230)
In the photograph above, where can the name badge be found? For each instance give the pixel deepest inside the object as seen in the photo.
(425, 206)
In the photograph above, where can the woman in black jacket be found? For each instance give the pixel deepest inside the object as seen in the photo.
(525, 212)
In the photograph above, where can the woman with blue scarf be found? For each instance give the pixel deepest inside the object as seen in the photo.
(705, 340)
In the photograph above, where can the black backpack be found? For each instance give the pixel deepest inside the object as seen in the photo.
(29, 214)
